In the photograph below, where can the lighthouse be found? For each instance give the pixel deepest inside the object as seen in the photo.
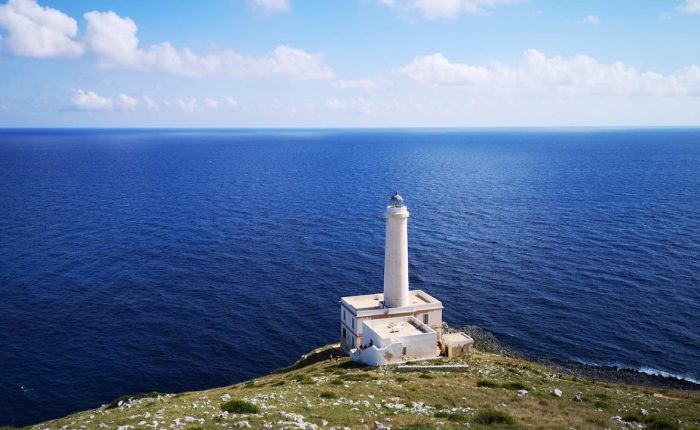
(398, 324)
(396, 254)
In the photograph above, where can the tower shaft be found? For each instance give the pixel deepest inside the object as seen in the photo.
(396, 257)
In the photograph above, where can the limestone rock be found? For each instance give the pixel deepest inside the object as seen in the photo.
(522, 393)
(242, 424)
(556, 392)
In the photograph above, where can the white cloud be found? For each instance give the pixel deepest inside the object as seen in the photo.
(113, 40)
(125, 102)
(40, 32)
(211, 103)
(360, 105)
(360, 84)
(90, 100)
(432, 9)
(690, 7)
(231, 102)
(150, 103)
(539, 73)
(591, 19)
(436, 69)
(188, 105)
(272, 5)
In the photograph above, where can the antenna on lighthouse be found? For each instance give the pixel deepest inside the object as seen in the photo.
(396, 253)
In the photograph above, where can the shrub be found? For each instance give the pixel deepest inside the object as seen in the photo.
(459, 417)
(401, 379)
(486, 384)
(328, 395)
(425, 376)
(338, 381)
(601, 404)
(491, 416)
(442, 414)
(516, 386)
(304, 379)
(237, 406)
(653, 422)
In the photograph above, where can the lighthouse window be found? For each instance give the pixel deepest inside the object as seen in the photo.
(425, 319)
(353, 323)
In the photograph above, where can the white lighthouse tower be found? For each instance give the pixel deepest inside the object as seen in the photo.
(398, 324)
(396, 254)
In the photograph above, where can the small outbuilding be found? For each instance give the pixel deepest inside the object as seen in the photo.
(456, 344)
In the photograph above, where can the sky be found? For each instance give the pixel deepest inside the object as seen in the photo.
(349, 63)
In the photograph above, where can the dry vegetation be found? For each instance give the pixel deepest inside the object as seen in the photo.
(319, 393)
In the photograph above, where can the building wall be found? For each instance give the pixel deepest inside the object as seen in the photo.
(353, 325)
(396, 350)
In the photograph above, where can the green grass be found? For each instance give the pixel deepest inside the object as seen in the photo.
(492, 416)
(237, 406)
(328, 395)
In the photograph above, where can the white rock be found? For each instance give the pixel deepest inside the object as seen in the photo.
(380, 426)
(522, 393)
(556, 392)
(226, 397)
(242, 424)
(189, 419)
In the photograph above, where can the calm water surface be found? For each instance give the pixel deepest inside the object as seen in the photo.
(151, 260)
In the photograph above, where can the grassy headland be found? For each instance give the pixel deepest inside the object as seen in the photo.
(318, 392)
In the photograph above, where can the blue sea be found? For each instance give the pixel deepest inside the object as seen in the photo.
(171, 260)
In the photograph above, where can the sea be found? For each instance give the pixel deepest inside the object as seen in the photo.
(177, 260)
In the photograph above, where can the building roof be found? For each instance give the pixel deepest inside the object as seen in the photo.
(371, 304)
(389, 328)
(458, 338)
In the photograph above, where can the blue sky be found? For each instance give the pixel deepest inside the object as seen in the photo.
(354, 63)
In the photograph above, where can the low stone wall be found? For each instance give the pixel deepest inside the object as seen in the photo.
(431, 367)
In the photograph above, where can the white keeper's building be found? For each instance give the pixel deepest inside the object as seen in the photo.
(398, 324)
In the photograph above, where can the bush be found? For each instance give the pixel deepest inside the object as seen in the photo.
(401, 379)
(425, 376)
(653, 422)
(328, 395)
(115, 403)
(459, 417)
(486, 384)
(237, 406)
(491, 416)
(338, 381)
(516, 386)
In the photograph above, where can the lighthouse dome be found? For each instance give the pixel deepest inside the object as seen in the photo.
(396, 201)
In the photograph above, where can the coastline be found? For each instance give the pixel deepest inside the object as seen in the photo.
(486, 341)
(323, 391)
